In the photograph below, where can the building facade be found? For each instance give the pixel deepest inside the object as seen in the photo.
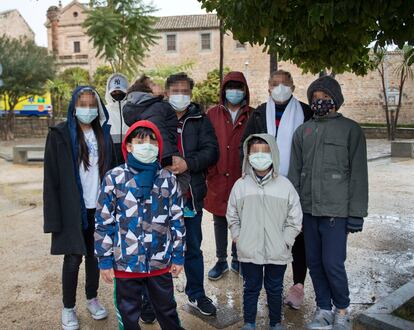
(195, 39)
(13, 25)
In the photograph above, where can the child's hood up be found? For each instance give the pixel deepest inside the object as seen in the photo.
(102, 112)
(147, 124)
(274, 150)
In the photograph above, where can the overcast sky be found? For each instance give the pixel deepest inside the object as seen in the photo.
(35, 11)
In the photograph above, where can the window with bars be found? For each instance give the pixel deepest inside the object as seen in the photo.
(171, 42)
(205, 41)
(76, 47)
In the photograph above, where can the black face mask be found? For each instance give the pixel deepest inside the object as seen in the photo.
(118, 96)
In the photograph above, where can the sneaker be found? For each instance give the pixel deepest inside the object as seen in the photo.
(204, 305)
(69, 319)
(295, 296)
(278, 326)
(147, 313)
(248, 326)
(322, 320)
(235, 266)
(219, 269)
(342, 322)
(97, 311)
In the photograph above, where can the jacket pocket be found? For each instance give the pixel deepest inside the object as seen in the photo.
(335, 153)
(305, 184)
(335, 188)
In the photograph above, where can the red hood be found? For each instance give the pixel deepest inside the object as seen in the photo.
(234, 76)
(147, 124)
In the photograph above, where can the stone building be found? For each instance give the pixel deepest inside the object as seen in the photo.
(196, 39)
(13, 25)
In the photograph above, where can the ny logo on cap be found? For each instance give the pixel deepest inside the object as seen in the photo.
(117, 81)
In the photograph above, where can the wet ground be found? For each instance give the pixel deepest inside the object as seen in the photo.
(379, 260)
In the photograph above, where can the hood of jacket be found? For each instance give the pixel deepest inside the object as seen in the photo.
(147, 124)
(271, 141)
(116, 81)
(234, 76)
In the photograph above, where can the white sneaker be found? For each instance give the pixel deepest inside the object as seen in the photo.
(97, 311)
(69, 319)
(322, 320)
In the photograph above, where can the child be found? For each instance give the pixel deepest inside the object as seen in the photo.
(329, 170)
(264, 217)
(140, 234)
(77, 155)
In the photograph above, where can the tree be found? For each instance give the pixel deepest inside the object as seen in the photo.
(318, 35)
(75, 77)
(403, 70)
(100, 77)
(60, 92)
(26, 68)
(160, 73)
(121, 32)
(207, 92)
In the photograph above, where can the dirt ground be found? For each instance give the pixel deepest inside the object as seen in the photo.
(379, 260)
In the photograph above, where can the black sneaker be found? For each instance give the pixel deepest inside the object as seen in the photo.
(235, 266)
(219, 269)
(204, 305)
(147, 313)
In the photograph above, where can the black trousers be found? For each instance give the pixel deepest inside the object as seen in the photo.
(128, 301)
(299, 266)
(71, 263)
(220, 234)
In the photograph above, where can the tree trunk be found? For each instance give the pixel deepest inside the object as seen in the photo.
(384, 91)
(273, 63)
(221, 53)
(403, 77)
(9, 129)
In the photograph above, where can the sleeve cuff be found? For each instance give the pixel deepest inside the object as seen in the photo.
(105, 263)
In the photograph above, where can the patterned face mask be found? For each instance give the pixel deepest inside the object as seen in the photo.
(322, 107)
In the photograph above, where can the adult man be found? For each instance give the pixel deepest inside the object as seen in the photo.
(229, 119)
(198, 148)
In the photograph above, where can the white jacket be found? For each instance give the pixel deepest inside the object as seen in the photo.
(264, 216)
(118, 126)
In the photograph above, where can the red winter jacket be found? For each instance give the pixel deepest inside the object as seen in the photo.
(222, 176)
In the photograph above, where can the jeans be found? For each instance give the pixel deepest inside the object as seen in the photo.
(325, 241)
(71, 263)
(253, 282)
(220, 234)
(194, 262)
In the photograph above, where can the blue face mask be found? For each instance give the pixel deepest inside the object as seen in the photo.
(86, 115)
(234, 96)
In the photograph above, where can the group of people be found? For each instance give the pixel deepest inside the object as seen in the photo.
(125, 185)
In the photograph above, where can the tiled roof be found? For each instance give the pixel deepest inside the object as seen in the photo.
(187, 22)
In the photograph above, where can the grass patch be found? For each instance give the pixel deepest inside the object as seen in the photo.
(406, 311)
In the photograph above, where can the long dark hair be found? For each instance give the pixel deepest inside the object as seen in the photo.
(83, 153)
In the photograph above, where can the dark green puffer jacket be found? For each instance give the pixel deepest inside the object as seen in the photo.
(328, 167)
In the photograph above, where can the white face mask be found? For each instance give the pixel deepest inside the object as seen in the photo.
(281, 93)
(145, 152)
(179, 102)
(260, 161)
(86, 115)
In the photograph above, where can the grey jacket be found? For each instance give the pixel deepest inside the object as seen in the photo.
(328, 167)
(264, 216)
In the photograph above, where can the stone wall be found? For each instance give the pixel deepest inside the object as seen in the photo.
(29, 127)
(13, 25)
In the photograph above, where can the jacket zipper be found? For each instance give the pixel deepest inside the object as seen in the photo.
(182, 143)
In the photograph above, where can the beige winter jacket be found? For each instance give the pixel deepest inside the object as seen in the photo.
(264, 216)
